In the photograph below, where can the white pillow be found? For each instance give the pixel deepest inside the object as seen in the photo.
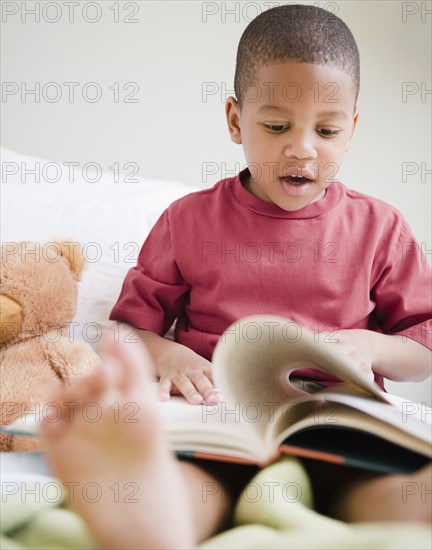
(110, 220)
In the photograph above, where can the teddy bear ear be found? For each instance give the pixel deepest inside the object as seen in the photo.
(72, 251)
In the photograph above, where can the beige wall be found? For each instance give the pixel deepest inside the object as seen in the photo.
(170, 54)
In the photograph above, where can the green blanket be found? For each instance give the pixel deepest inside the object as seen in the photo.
(274, 512)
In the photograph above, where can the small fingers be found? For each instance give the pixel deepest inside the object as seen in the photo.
(185, 387)
(164, 389)
(205, 388)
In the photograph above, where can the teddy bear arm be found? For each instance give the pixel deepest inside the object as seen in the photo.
(70, 359)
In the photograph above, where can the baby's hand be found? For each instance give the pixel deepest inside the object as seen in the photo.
(356, 345)
(187, 373)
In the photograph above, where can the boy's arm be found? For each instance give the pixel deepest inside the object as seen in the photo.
(395, 357)
(180, 369)
(402, 292)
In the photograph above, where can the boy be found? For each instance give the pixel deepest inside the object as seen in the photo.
(282, 237)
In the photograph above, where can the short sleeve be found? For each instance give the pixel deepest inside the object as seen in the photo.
(403, 292)
(154, 291)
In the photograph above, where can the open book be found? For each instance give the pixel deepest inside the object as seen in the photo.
(263, 414)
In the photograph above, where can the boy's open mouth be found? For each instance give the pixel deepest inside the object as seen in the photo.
(296, 180)
(296, 186)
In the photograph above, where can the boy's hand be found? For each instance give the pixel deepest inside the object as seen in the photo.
(393, 356)
(186, 373)
(356, 345)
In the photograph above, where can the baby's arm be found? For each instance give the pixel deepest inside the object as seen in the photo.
(395, 357)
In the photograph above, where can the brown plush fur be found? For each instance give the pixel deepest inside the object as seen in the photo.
(38, 292)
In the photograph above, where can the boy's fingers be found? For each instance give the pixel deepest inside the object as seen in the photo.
(186, 387)
(164, 388)
(209, 373)
(205, 387)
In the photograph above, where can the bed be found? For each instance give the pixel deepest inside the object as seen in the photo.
(43, 200)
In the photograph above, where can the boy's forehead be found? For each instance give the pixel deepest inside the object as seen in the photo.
(290, 71)
(291, 80)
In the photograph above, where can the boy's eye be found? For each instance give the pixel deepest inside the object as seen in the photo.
(277, 128)
(327, 133)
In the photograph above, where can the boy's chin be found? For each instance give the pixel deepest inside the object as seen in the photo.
(291, 204)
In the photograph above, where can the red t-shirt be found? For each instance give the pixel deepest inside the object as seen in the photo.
(214, 256)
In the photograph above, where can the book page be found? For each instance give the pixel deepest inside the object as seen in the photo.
(214, 429)
(254, 357)
(403, 422)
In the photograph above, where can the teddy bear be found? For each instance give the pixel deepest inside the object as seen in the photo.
(38, 297)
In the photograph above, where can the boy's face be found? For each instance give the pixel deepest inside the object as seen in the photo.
(297, 120)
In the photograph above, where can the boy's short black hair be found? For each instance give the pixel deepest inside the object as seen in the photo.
(306, 34)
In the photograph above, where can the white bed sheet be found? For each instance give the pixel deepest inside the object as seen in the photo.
(110, 220)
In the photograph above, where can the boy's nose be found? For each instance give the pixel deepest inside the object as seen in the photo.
(300, 146)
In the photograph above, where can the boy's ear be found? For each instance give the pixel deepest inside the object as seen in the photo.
(355, 119)
(232, 112)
